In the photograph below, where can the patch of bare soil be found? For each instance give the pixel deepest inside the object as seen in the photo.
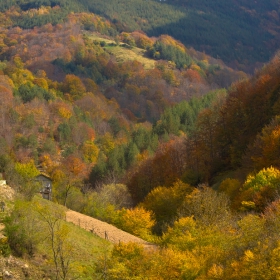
(104, 230)
(6, 192)
(12, 268)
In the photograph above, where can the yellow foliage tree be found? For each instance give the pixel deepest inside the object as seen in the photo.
(107, 143)
(90, 151)
(164, 202)
(41, 82)
(27, 170)
(266, 177)
(137, 221)
(182, 235)
(64, 112)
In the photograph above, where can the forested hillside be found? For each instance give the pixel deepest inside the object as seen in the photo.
(244, 34)
(72, 108)
(235, 137)
(159, 139)
(65, 95)
(241, 33)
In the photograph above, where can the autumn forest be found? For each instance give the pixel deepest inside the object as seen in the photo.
(144, 118)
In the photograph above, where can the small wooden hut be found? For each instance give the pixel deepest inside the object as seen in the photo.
(46, 183)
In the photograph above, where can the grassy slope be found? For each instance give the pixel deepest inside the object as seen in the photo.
(123, 53)
(87, 249)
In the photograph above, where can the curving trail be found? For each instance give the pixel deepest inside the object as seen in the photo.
(104, 230)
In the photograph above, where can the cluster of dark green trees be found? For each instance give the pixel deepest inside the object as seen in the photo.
(175, 121)
(27, 93)
(54, 16)
(170, 53)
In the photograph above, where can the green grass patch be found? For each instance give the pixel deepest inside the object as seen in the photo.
(86, 245)
(87, 249)
(82, 248)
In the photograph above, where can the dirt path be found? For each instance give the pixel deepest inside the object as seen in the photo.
(103, 229)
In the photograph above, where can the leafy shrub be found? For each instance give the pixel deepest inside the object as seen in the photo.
(5, 249)
(22, 229)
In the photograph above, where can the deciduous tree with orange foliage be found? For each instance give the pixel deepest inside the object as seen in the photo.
(163, 169)
(68, 175)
